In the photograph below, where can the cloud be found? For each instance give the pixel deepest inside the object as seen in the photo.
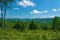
(0, 11)
(45, 11)
(16, 8)
(54, 10)
(50, 16)
(58, 9)
(26, 3)
(35, 12)
(38, 12)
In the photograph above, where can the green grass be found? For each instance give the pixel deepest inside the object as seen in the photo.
(12, 34)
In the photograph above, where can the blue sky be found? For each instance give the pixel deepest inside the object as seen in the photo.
(34, 9)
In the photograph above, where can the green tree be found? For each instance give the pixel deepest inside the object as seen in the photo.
(33, 25)
(23, 27)
(55, 23)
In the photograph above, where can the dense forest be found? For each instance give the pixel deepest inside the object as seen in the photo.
(30, 30)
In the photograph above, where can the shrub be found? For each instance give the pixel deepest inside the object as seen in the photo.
(19, 26)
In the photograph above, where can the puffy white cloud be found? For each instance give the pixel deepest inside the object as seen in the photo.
(45, 11)
(50, 16)
(35, 12)
(26, 3)
(54, 10)
(16, 8)
(38, 12)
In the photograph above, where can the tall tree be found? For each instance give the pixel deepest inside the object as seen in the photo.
(5, 5)
(55, 23)
(1, 7)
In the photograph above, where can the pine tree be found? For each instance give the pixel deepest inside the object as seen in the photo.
(33, 25)
(22, 27)
(56, 23)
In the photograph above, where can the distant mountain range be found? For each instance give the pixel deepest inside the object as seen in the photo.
(36, 19)
(28, 19)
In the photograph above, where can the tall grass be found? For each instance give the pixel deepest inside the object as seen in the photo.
(12, 34)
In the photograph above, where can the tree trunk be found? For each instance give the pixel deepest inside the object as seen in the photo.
(2, 16)
(4, 21)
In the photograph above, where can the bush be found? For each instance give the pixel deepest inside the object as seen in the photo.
(19, 26)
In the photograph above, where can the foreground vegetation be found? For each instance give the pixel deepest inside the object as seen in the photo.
(32, 30)
(11, 34)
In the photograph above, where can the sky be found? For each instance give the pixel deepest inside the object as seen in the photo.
(33, 9)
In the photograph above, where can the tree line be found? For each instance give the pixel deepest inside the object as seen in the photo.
(20, 25)
(33, 25)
